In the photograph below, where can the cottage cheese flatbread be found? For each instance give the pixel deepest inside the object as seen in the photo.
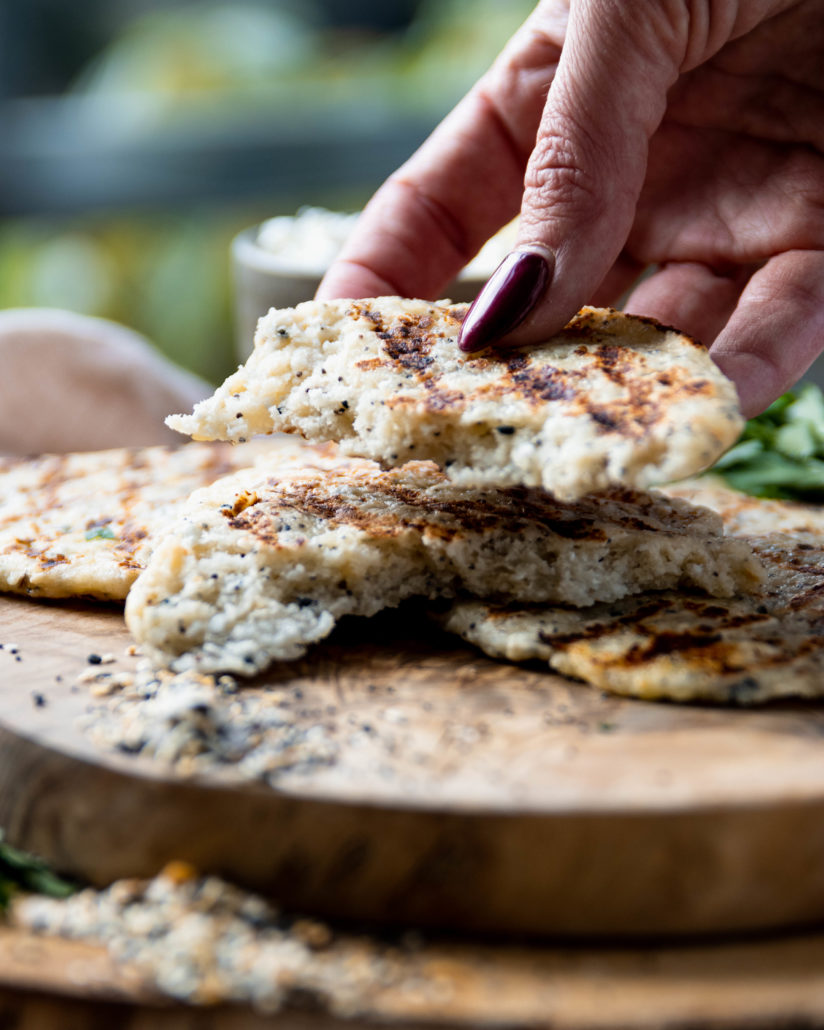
(83, 525)
(679, 645)
(745, 515)
(613, 399)
(263, 563)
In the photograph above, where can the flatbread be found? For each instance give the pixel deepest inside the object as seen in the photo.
(83, 525)
(678, 645)
(613, 399)
(263, 563)
(745, 515)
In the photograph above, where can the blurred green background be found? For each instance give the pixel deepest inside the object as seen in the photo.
(140, 136)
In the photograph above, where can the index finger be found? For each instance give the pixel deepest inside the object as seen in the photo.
(466, 181)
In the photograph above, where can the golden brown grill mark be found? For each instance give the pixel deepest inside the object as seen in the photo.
(714, 654)
(439, 399)
(408, 345)
(703, 645)
(45, 560)
(49, 561)
(407, 340)
(813, 596)
(242, 501)
(543, 384)
(668, 642)
(427, 513)
(638, 618)
(129, 537)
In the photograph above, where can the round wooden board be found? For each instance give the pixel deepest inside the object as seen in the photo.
(464, 793)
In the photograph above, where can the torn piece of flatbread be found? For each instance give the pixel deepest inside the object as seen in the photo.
(745, 515)
(613, 399)
(263, 563)
(676, 645)
(83, 525)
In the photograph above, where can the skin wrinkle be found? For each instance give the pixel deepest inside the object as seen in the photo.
(548, 23)
(752, 112)
(519, 153)
(673, 222)
(586, 69)
(669, 39)
(706, 32)
(795, 293)
(528, 72)
(749, 212)
(556, 178)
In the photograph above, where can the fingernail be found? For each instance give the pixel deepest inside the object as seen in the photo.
(513, 290)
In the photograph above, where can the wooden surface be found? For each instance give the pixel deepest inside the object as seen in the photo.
(743, 985)
(466, 793)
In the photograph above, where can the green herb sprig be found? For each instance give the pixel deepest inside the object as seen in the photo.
(781, 451)
(22, 871)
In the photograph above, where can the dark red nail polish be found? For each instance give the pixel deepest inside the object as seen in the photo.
(513, 290)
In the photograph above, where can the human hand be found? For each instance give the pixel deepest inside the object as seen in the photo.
(681, 134)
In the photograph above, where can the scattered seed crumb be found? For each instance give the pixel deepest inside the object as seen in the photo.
(39, 700)
(195, 723)
(94, 659)
(201, 940)
(89, 676)
(102, 687)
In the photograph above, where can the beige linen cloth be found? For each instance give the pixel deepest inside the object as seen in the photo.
(70, 382)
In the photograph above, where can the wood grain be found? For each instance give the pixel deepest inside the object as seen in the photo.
(738, 985)
(466, 793)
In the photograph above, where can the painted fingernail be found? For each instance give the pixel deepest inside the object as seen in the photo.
(513, 290)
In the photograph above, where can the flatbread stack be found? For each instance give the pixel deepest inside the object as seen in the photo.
(532, 491)
(262, 564)
(511, 489)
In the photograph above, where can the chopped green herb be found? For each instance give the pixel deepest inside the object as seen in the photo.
(100, 533)
(22, 871)
(781, 451)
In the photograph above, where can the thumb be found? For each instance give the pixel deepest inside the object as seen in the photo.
(586, 171)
